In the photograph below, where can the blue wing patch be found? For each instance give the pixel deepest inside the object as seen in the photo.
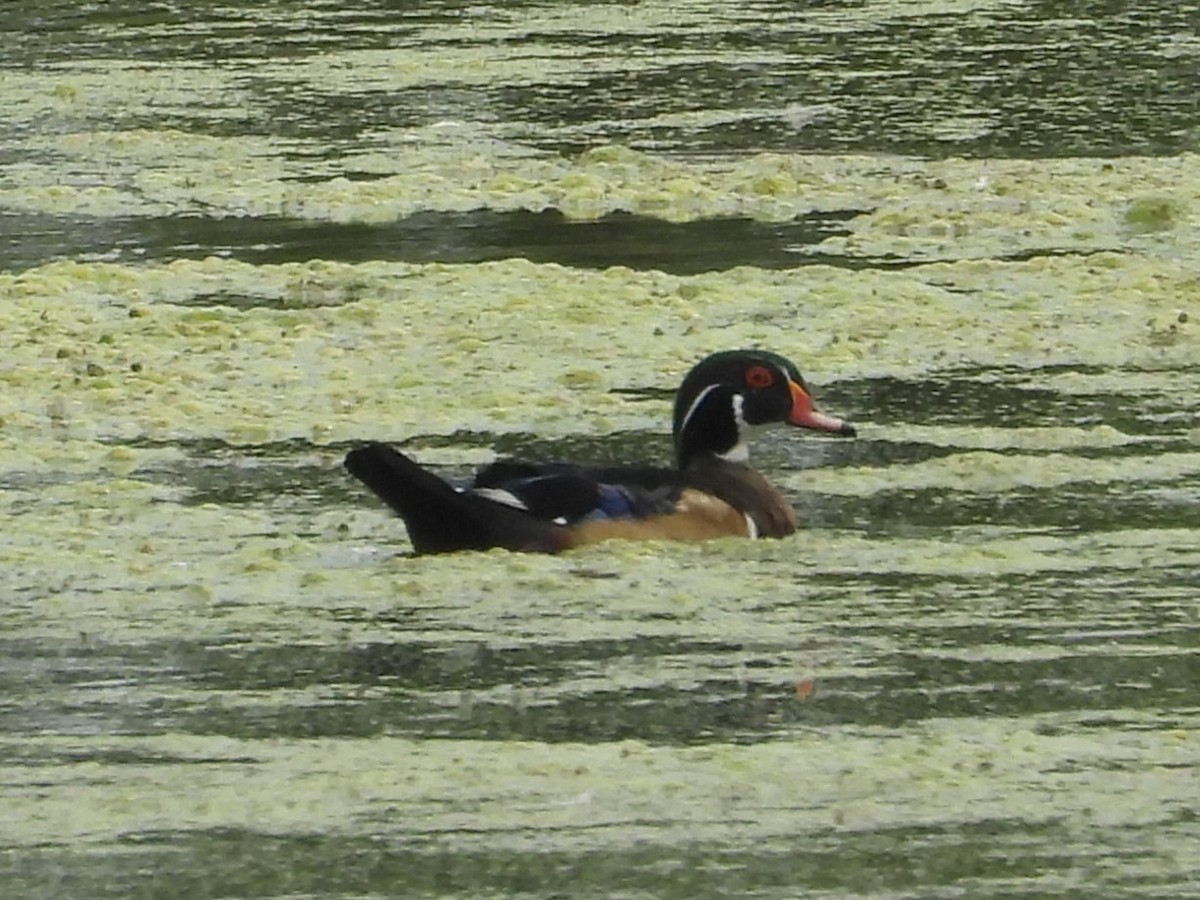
(572, 498)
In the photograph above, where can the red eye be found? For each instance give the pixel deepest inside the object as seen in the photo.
(759, 377)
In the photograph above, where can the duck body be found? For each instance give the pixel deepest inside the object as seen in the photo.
(710, 492)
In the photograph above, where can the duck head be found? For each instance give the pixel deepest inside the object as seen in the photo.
(728, 396)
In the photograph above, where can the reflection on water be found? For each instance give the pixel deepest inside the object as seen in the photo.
(971, 625)
(221, 672)
(983, 79)
(618, 239)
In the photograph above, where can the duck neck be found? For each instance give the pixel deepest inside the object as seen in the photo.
(711, 426)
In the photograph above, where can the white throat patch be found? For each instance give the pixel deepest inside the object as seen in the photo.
(740, 452)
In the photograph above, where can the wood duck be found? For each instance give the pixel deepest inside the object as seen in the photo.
(711, 491)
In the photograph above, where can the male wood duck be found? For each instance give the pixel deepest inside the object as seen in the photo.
(711, 491)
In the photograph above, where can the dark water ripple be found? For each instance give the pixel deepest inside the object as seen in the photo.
(1051, 617)
(1096, 78)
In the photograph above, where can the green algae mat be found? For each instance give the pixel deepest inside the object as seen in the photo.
(235, 241)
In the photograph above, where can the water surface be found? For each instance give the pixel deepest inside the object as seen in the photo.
(235, 241)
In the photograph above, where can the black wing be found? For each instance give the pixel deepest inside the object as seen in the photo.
(565, 494)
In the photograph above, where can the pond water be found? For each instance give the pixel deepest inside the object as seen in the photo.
(236, 239)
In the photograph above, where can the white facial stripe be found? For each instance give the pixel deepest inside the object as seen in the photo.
(696, 405)
(739, 452)
(751, 528)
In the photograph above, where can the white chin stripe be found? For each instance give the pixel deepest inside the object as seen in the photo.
(740, 452)
(751, 528)
(499, 495)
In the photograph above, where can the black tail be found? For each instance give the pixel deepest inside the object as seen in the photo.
(441, 519)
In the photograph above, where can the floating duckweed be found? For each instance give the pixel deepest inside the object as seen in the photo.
(581, 379)
(1155, 213)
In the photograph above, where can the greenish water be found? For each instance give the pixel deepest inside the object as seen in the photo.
(236, 240)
